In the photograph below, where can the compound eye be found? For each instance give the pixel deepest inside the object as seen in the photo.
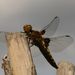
(27, 28)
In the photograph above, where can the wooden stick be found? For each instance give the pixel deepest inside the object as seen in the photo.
(19, 55)
(66, 68)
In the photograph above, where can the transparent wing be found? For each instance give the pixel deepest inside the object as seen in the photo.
(50, 29)
(59, 43)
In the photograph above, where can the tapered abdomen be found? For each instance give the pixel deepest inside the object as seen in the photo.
(46, 54)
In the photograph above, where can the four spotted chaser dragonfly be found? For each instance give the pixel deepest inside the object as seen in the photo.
(43, 43)
(56, 43)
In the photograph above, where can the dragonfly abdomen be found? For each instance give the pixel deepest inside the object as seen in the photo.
(46, 54)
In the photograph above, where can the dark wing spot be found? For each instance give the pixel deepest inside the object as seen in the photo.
(67, 36)
(43, 32)
(56, 17)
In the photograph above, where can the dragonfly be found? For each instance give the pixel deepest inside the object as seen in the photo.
(58, 43)
(37, 38)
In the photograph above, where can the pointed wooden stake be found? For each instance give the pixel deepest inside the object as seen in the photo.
(19, 55)
(66, 68)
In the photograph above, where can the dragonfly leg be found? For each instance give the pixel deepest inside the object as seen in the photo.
(30, 42)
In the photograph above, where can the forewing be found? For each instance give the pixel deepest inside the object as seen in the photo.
(50, 29)
(59, 43)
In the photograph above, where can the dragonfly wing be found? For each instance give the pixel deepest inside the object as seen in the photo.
(59, 43)
(50, 29)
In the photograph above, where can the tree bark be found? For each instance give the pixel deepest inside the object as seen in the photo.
(19, 55)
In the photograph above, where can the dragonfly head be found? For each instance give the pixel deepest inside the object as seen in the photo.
(27, 28)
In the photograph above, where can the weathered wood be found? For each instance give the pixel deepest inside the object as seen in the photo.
(19, 55)
(6, 66)
(66, 68)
